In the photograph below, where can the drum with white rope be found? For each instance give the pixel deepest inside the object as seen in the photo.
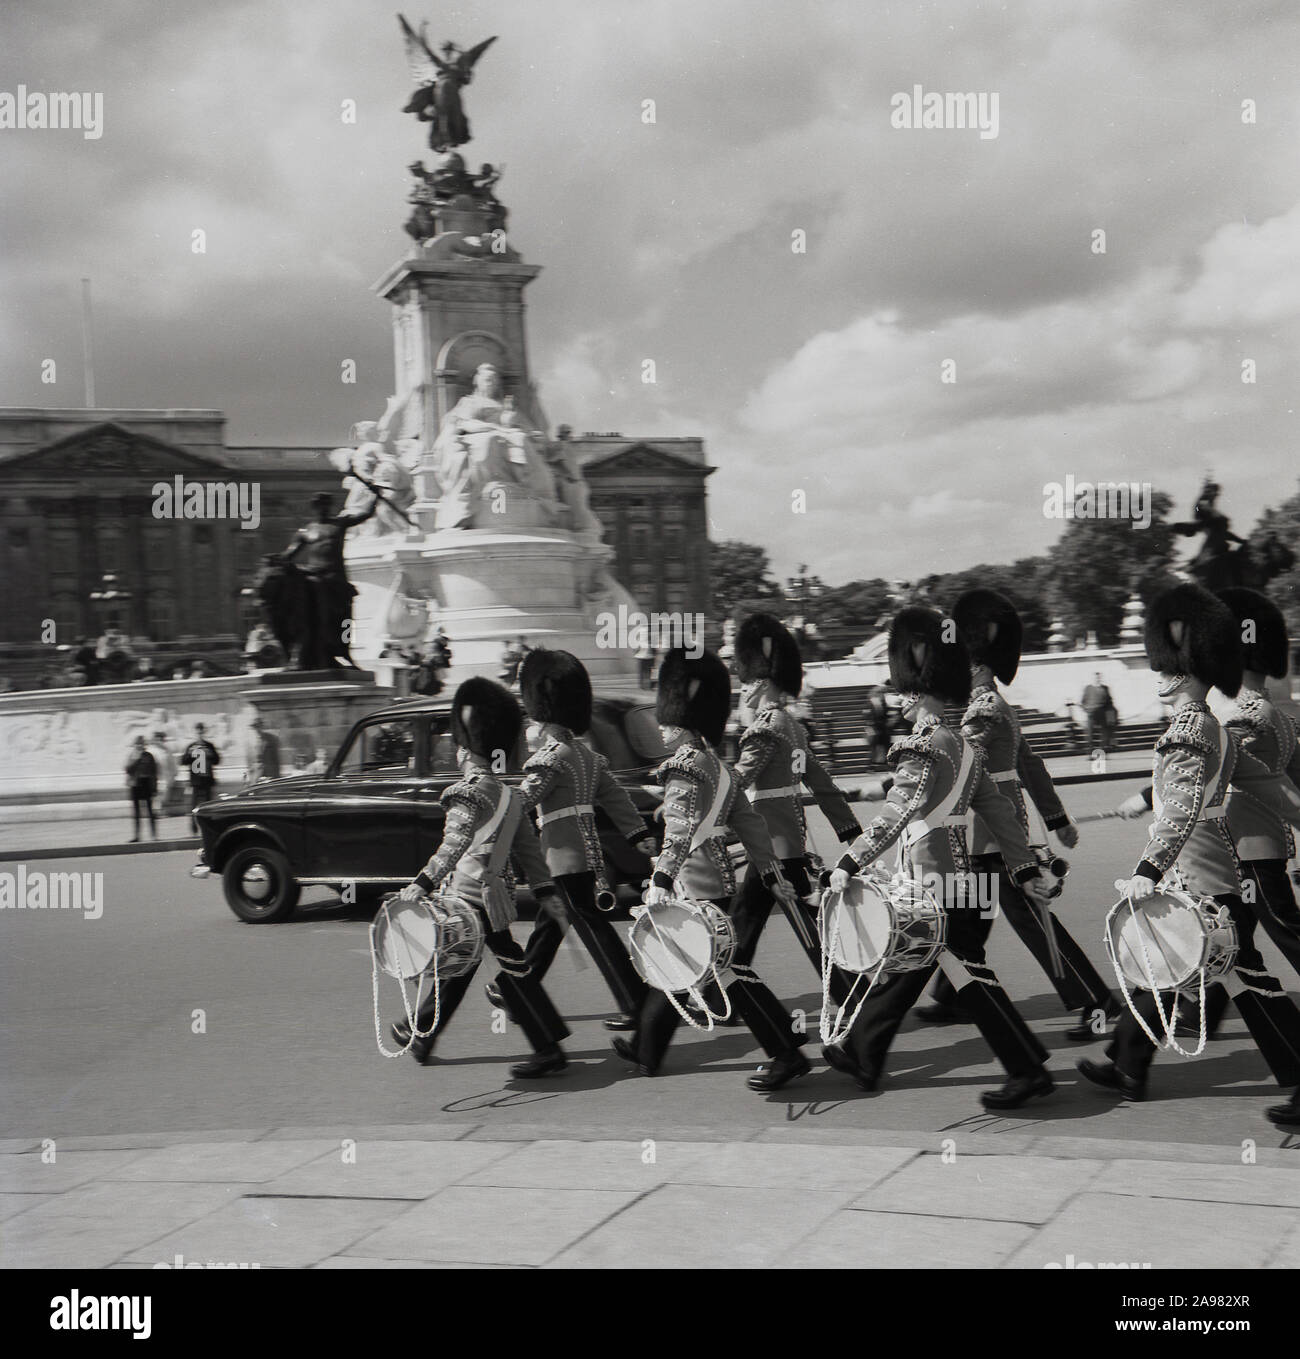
(678, 946)
(893, 924)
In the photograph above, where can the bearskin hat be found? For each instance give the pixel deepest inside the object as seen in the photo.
(556, 688)
(694, 694)
(765, 649)
(486, 718)
(1270, 652)
(942, 669)
(991, 628)
(1191, 632)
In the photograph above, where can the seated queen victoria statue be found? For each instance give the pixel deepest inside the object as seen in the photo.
(484, 452)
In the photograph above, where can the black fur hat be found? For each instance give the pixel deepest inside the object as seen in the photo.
(694, 694)
(765, 649)
(943, 668)
(556, 688)
(1191, 632)
(1270, 652)
(486, 718)
(992, 631)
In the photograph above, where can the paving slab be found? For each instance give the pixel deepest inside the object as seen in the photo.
(472, 1223)
(1202, 1182)
(620, 1164)
(376, 1132)
(15, 1146)
(596, 1132)
(12, 1204)
(1095, 1229)
(275, 1233)
(853, 1239)
(370, 1262)
(1287, 1255)
(1158, 1149)
(771, 1165)
(996, 1188)
(148, 1141)
(199, 1162)
(387, 1170)
(93, 1225)
(704, 1227)
(29, 1174)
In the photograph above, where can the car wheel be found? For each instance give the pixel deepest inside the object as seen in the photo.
(258, 885)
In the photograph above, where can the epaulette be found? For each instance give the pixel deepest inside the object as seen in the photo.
(1251, 710)
(982, 714)
(469, 790)
(551, 754)
(1194, 727)
(685, 761)
(919, 742)
(766, 725)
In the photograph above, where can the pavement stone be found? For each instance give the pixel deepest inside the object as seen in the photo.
(1165, 1233)
(501, 1225)
(617, 1164)
(758, 1165)
(93, 1225)
(377, 1132)
(149, 1141)
(854, 1239)
(371, 1262)
(197, 1162)
(1287, 1255)
(545, 1132)
(12, 1204)
(285, 1233)
(1199, 1182)
(28, 1174)
(387, 1170)
(15, 1146)
(997, 1188)
(704, 1227)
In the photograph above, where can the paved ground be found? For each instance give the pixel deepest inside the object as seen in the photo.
(198, 1079)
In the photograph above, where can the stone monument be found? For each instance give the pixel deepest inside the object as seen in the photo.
(495, 539)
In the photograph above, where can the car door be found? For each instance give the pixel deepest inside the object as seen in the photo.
(441, 772)
(362, 822)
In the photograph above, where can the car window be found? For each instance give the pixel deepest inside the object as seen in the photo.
(442, 748)
(381, 748)
(641, 729)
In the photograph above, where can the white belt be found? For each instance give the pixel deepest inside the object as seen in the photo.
(1005, 776)
(579, 809)
(1214, 813)
(918, 827)
(764, 794)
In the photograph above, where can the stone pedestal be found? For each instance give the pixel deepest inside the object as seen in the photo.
(308, 709)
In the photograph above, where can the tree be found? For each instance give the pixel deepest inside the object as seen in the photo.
(1280, 526)
(1022, 583)
(741, 579)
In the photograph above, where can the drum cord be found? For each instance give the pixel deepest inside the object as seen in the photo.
(712, 1020)
(1169, 1022)
(833, 1033)
(416, 1033)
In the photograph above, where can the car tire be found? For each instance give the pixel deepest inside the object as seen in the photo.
(258, 885)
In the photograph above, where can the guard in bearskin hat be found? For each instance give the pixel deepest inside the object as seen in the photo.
(938, 778)
(703, 799)
(991, 629)
(775, 760)
(1194, 643)
(486, 839)
(565, 781)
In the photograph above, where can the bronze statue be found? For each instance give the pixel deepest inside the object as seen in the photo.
(1224, 559)
(437, 100)
(306, 593)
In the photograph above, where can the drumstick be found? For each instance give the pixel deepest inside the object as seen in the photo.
(1101, 816)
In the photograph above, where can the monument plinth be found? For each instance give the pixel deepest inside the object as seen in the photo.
(487, 531)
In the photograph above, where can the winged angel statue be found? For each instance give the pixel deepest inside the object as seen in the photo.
(440, 79)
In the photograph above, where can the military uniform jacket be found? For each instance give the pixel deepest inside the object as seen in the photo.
(990, 722)
(771, 748)
(464, 853)
(1195, 761)
(938, 779)
(565, 781)
(702, 800)
(1268, 734)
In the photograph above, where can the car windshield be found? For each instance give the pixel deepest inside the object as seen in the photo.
(381, 748)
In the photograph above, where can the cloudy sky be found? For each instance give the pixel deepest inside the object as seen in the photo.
(818, 371)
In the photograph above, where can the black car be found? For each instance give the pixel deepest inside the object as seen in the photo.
(370, 822)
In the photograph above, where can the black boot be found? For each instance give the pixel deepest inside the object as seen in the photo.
(780, 1071)
(548, 1062)
(628, 1053)
(1285, 1115)
(838, 1058)
(421, 1049)
(1110, 1077)
(1019, 1090)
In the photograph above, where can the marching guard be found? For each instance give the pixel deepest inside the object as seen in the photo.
(486, 837)
(774, 761)
(938, 778)
(566, 781)
(991, 628)
(702, 800)
(1193, 642)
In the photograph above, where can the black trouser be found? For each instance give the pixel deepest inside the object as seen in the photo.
(750, 998)
(528, 1004)
(752, 907)
(594, 928)
(1080, 985)
(141, 797)
(982, 997)
(1274, 907)
(1270, 1014)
